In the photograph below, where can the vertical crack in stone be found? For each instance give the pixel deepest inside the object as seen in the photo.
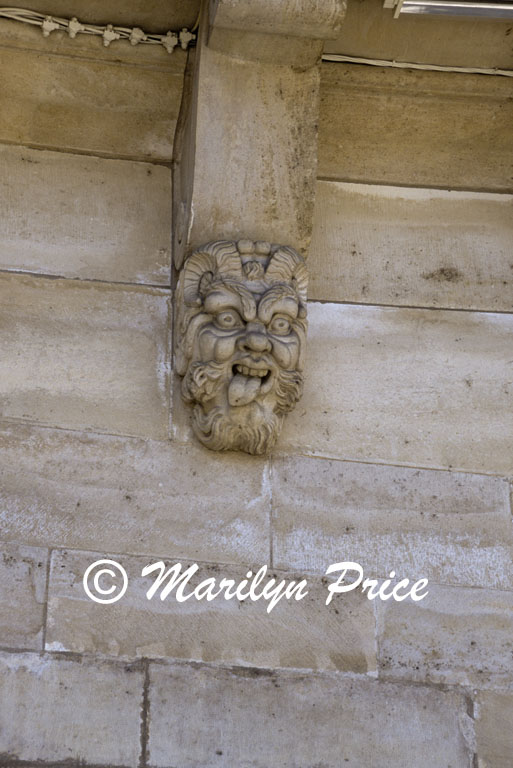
(47, 596)
(145, 717)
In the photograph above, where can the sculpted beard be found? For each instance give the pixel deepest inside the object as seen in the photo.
(234, 429)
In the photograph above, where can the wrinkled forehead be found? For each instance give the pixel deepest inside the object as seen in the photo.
(249, 304)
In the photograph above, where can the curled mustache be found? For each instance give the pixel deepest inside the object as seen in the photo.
(202, 382)
(218, 428)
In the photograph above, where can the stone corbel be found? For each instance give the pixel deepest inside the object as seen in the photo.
(241, 317)
(244, 187)
(288, 32)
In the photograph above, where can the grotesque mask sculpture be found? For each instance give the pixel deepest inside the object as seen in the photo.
(241, 320)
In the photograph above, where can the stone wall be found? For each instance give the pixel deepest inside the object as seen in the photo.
(399, 456)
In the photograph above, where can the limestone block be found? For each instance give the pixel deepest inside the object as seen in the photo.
(416, 247)
(259, 719)
(370, 31)
(494, 736)
(430, 129)
(300, 634)
(22, 596)
(455, 635)
(110, 494)
(88, 106)
(406, 386)
(67, 710)
(452, 528)
(84, 355)
(85, 217)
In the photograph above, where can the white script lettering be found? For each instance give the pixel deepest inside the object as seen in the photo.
(372, 586)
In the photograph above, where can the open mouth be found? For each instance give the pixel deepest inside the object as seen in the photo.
(260, 373)
(247, 383)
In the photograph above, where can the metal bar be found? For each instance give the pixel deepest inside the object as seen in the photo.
(460, 8)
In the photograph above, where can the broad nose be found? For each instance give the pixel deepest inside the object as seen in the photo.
(255, 339)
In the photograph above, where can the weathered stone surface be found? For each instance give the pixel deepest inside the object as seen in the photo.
(243, 718)
(319, 19)
(22, 595)
(431, 129)
(300, 634)
(420, 247)
(58, 709)
(406, 386)
(101, 108)
(494, 715)
(110, 494)
(449, 527)
(84, 355)
(248, 164)
(454, 635)
(85, 217)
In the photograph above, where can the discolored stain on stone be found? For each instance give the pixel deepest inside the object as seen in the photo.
(450, 274)
(411, 246)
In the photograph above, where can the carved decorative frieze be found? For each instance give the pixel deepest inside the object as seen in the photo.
(241, 324)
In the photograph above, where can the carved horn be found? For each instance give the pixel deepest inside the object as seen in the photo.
(285, 266)
(220, 257)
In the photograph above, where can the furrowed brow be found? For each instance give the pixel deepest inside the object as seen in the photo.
(222, 298)
(272, 304)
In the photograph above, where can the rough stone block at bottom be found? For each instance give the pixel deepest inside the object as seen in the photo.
(22, 595)
(494, 735)
(257, 719)
(455, 636)
(61, 709)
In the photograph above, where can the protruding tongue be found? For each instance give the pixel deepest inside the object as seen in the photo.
(243, 389)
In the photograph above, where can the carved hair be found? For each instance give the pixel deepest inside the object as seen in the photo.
(287, 266)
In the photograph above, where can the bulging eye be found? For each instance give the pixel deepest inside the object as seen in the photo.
(280, 325)
(228, 319)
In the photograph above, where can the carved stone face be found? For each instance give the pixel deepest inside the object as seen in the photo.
(241, 318)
